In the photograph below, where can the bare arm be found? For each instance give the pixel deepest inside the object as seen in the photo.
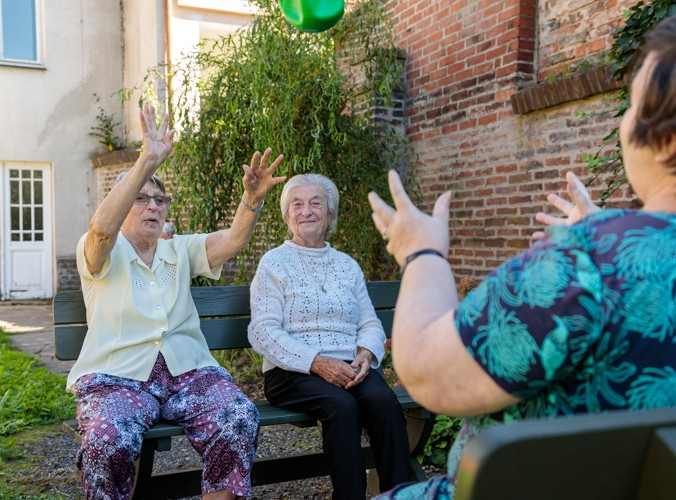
(109, 216)
(428, 354)
(258, 180)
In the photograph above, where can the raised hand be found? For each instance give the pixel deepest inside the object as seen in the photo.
(405, 228)
(259, 178)
(156, 143)
(581, 207)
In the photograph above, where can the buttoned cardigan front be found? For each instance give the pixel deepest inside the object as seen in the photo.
(135, 312)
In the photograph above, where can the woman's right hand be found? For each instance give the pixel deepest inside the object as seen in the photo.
(334, 371)
(157, 144)
(581, 207)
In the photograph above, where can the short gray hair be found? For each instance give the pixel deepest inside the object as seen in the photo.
(330, 190)
(169, 228)
(154, 179)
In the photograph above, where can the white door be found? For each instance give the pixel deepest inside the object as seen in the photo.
(27, 267)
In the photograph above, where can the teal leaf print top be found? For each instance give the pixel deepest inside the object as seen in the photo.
(585, 321)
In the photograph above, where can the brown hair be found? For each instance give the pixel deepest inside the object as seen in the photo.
(656, 115)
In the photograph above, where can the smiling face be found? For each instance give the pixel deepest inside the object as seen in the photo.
(308, 215)
(145, 222)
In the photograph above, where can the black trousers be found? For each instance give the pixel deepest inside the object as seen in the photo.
(342, 414)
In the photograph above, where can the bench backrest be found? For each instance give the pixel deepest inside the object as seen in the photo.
(224, 312)
(618, 455)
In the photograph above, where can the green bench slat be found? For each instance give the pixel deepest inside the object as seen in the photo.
(68, 339)
(69, 308)
(70, 326)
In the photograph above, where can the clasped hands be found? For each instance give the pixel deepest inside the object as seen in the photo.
(342, 373)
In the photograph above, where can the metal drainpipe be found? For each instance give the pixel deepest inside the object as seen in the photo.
(167, 52)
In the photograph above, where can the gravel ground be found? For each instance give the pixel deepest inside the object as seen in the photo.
(50, 462)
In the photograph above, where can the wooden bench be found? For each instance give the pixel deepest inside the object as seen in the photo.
(224, 313)
(621, 455)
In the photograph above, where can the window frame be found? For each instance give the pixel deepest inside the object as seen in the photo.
(39, 56)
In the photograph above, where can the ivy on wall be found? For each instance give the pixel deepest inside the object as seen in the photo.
(270, 85)
(623, 53)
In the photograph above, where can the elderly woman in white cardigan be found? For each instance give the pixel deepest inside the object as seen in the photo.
(313, 322)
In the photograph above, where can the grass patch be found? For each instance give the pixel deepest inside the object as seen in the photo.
(30, 395)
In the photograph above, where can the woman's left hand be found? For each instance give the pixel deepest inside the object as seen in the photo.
(405, 228)
(361, 366)
(259, 178)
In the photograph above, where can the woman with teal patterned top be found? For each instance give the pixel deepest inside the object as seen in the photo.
(583, 322)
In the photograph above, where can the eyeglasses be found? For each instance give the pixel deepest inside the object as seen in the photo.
(160, 201)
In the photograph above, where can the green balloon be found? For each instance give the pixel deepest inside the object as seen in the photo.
(312, 15)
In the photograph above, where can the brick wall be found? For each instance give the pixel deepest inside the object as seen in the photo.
(108, 166)
(67, 276)
(465, 61)
(573, 32)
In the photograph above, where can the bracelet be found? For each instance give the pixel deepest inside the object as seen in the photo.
(415, 255)
(252, 209)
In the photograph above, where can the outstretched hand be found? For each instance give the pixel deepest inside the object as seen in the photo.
(405, 228)
(156, 143)
(581, 207)
(259, 178)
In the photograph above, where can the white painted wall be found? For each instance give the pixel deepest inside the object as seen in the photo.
(93, 46)
(148, 23)
(46, 114)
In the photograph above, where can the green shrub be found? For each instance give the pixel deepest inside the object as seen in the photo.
(271, 85)
(441, 440)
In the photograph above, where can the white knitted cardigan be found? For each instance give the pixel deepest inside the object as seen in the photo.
(293, 320)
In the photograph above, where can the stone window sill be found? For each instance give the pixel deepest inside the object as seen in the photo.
(570, 88)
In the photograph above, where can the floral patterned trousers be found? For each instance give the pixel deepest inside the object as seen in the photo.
(114, 413)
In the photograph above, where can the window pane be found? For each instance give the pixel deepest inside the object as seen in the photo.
(14, 192)
(18, 30)
(39, 226)
(14, 173)
(27, 237)
(15, 219)
(16, 237)
(38, 236)
(37, 192)
(26, 191)
(25, 174)
(27, 219)
(37, 174)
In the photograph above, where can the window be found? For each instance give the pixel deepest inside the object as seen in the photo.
(26, 205)
(19, 31)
